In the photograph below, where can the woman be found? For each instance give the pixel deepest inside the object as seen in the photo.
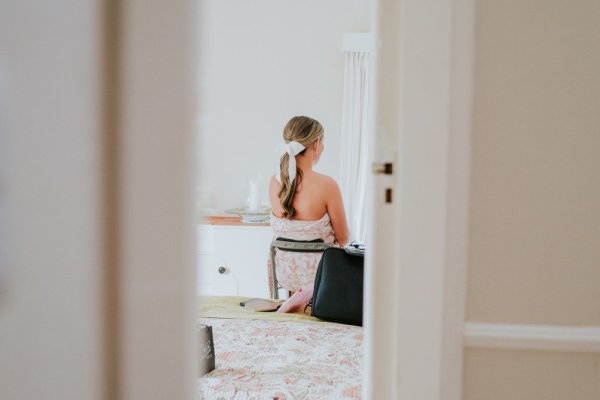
(305, 205)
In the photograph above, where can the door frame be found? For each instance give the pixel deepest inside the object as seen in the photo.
(426, 110)
(149, 172)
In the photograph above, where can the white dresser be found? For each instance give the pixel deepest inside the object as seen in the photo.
(232, 259)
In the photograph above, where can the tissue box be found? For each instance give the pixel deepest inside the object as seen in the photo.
(206, 350)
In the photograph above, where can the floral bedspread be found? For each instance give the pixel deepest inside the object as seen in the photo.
(262, 359)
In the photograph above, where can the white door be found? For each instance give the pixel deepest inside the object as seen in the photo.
(415, 282)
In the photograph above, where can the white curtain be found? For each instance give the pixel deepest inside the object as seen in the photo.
(355, 141)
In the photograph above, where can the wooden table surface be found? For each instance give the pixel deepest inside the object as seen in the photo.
(231, 221)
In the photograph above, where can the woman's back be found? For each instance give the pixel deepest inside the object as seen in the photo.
(316, 195)
(310, 200)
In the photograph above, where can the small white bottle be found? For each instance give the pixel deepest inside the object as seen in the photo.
(254, 199)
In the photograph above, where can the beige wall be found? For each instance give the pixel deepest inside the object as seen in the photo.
(531, 375)
(535, 189)
(534, 254)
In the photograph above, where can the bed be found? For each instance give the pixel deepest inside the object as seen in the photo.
(278, 356)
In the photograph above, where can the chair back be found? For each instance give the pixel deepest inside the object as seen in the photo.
(300, 246)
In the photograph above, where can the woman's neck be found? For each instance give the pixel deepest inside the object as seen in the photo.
(304, 163)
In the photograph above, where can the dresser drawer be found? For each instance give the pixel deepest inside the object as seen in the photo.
(205, 239)
(215, 276)
(232, 260)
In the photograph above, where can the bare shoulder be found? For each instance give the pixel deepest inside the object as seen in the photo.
(324, 179)
(327, 183)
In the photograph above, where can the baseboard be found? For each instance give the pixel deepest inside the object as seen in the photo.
(532, 337)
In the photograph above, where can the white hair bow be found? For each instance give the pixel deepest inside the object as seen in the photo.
(293, 148)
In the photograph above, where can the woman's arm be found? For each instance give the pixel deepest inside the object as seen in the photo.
(337, 213)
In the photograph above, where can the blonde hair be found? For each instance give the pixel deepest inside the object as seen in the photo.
(305, 131)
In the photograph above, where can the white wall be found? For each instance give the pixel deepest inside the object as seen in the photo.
(263, 62)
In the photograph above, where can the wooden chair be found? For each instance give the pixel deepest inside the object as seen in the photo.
(300, 246)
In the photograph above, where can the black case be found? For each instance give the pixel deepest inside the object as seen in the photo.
(338, 292)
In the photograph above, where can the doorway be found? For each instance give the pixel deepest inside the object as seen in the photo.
(262, 63)
(420, 123)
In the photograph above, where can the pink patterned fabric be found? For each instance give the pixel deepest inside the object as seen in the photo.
(295, 270)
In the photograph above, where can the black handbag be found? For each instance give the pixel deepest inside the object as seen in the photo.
(338, 291)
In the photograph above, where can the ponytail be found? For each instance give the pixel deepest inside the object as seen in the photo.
(288, 189)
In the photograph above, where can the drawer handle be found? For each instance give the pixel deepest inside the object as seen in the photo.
(222, 270)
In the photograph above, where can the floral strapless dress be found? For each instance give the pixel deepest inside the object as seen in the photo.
(295, 270)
